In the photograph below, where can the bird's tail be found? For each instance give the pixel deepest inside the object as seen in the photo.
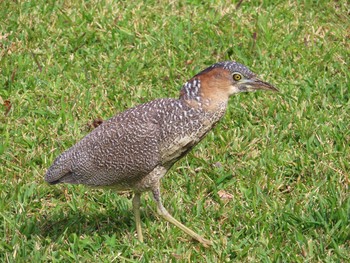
(59, 169)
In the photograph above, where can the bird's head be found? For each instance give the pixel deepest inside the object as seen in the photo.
(222, 80)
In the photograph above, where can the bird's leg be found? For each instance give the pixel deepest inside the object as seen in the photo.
(136, 207)
(165, 214)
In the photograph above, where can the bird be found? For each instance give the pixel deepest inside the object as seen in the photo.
(135, 149)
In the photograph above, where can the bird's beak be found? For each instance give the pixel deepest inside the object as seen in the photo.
(257, 84)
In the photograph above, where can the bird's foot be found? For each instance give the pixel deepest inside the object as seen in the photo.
(205, 242)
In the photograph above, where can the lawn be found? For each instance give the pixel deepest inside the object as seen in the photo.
(269, 184)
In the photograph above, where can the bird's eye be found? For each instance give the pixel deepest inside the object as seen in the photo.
(237, 76)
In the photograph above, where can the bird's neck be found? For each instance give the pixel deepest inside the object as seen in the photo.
(195, 96)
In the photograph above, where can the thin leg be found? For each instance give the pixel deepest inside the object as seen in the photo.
(136, 207)
(165, 214)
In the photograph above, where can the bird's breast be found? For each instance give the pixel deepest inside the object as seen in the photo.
(183, 136)
(177, 148)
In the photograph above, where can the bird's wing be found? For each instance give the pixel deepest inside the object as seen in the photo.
(120, 152)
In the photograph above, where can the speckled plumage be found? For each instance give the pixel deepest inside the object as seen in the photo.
(134, 149)
(126, 148)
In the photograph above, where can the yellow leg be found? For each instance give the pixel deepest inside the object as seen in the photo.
(165, 214)
(136, 207)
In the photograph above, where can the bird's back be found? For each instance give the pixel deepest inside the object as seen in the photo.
(126, 148)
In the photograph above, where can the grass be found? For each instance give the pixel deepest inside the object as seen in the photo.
(269, 184)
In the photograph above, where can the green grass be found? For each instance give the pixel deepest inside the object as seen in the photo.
(282, 159)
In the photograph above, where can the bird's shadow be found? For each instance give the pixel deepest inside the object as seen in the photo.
(54, 224)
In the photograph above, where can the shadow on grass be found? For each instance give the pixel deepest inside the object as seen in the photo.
(54, 224)
(81, 223)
